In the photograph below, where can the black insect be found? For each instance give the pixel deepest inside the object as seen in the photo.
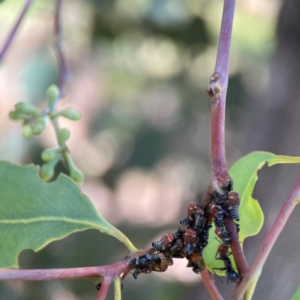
(200, 219)
(222, 254)
(231, 274)
(222, 234)
(203, 239)
(195, 261)
(146, 259)
(192, 207)
(190, 241)
(147, 263)
(233, 205)
(164, 242)
(176, 251)
(167, 240)
(218, 214)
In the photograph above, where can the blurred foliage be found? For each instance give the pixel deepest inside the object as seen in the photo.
(139, 68)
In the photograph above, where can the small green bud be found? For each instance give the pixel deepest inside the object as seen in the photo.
(27, 132)
(48, 169)
(74, 173)
(15, 115)
(52, 95)
(49, 154)
(63, 136)
(38, 126)
(27, 109)
(70, 113)
(76, 176)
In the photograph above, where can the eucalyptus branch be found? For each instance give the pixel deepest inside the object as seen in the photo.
(104, 289)
(210, 285)
(12, 34)
(221, 182)
(111, 271)
(280, 221)
(217, 90)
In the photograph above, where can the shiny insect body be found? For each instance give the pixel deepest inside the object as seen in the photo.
(192, 207)
(222, 254)
(195, 261)
(164, 242)
(231, 274)
(190, 241)
(222, 234)
(147, 263)
(233, 204)
(167, 240)
(218, 214)
(200, 219)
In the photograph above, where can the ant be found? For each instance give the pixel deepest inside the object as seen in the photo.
(231, 274)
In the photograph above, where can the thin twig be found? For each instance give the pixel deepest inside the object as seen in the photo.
(104, 289)
(236, 248)
(279, 223)
(112, 271)
(63, 70)
(12, 34)
(210, 285)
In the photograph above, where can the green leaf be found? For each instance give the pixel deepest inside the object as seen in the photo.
(34, 213)
(244, 175)
(297, 294)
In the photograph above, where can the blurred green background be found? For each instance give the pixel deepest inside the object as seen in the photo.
(139, 68)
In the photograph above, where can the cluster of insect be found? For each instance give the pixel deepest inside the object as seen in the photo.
(190, 242)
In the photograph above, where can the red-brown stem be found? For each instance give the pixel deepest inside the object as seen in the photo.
(225, 39)
(12, 34)
(279, 223)
(108, 271)
(210, 285)
(218, 90)
(236, 248)
(104, 289)
(63, 70)
(219, 166)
